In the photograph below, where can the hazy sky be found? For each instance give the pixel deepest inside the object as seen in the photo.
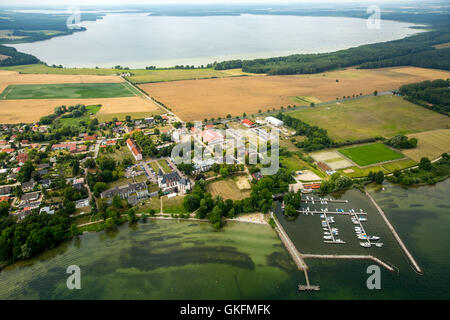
(126, 2)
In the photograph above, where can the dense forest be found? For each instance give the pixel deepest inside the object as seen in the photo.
(417, 50)
(15, 57)
(434, 95)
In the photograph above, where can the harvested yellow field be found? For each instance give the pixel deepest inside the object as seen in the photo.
(208, 98)
(28, 111)
(430, 144)
(11, 77)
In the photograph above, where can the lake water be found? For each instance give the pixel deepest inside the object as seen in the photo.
(185, 260)
(137, 40)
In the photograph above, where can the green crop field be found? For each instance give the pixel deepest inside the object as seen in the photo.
(371, 153)
(370, 117)
(68, 91)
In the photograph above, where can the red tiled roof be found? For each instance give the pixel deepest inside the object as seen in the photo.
(248, 122)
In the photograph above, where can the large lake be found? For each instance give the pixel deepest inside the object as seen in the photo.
(137, 40)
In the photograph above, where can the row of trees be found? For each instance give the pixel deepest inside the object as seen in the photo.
(316, 138)
(401, 142)
(434, 95)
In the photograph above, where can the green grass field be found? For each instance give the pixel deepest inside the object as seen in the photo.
(68, 91)
(370, 117)
(90, 111)
(370, 154)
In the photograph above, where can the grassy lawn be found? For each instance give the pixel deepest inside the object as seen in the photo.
(68, 91)
(370, 154)
(293, 163)
(104, 117)
(148, 204)
(120, 154)
(362, 172)
(399, 165)
(370, 117)
(164, 166)
(90, 111)
(173, 205)
(154, 166)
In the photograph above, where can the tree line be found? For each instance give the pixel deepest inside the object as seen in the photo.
(433, 95)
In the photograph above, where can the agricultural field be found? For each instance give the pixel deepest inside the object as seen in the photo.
(229, 188)
(370, 154)
(208, 98)
(145, 76)
(369, 117)
(431, 144)
(68, 91)
(13, 78)
(138, 75)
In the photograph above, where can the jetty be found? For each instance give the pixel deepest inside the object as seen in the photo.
(396, 236)
(349, 257)
(295, 254)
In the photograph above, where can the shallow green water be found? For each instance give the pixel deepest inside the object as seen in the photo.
(184, 260)
(161, 260)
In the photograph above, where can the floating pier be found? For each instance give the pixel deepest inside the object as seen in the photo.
(323, 200)
(396, 236)
(313, 212)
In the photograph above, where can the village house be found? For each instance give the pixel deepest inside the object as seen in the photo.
(134, 149)
(28, 186)
(248, 123)
(29, 197)
(22, 158)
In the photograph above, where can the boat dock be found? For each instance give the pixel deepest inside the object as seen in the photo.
(349, 257)
(396, 236)
(313, 212)
(323, 200)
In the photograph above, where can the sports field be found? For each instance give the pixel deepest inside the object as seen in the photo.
(370, 154)
(370, 117)
(200, 99)
(68, 91)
